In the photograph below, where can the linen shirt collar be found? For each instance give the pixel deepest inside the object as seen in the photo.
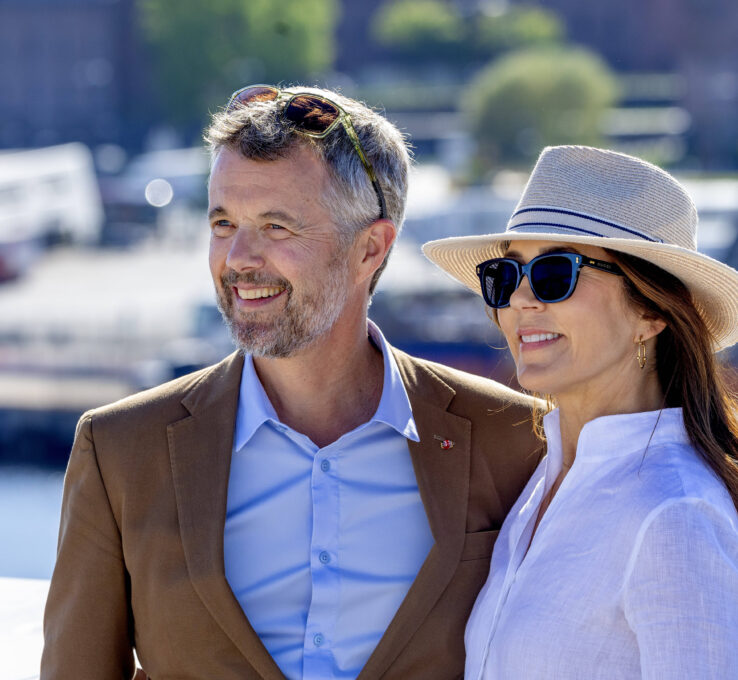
(617, 435)
(255, 409)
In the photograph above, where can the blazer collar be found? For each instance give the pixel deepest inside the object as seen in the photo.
(200, 451)
(443, 479)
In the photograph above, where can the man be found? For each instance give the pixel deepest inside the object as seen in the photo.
(317, 505)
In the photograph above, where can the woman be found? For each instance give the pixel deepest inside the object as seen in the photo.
(620, 558)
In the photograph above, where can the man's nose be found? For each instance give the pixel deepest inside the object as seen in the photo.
(245, 251)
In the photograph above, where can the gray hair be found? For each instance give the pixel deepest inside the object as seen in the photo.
(259, 132)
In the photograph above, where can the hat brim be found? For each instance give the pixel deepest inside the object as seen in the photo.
(713, 284)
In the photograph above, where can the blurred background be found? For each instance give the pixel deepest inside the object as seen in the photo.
(104, 288)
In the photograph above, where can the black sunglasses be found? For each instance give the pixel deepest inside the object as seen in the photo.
(552, 277)
(311, 115)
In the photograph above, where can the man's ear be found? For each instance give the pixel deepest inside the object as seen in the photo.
(372, 245)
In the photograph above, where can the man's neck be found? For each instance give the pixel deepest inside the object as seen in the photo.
(328, 389)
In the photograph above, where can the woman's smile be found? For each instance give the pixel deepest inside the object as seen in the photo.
(531, 338)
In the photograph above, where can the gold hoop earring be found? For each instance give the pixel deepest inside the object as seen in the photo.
(641, 355)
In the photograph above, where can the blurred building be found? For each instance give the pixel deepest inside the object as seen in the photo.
(354, 44)
(71, 70)
(673, 57)
(694, 39)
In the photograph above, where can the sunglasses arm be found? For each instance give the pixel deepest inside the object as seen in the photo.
(602, 265)
(380, 196)
(348, 126)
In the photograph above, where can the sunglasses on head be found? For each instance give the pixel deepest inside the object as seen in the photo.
(552, 277)
(312, 115)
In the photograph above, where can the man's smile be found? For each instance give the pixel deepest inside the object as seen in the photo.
(257, 293)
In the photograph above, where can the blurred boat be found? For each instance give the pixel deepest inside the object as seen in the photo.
(47, 195)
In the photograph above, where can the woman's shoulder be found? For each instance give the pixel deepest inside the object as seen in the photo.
(686, 537)
(686, 514)
(676, 473)
(685, 503)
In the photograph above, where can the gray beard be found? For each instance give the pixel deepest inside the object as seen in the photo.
(301, 322)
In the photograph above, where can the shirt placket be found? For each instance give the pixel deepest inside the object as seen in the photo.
(319, 641)
(522, 556)
(519, 535)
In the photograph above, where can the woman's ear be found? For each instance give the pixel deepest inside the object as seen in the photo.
(649, 326)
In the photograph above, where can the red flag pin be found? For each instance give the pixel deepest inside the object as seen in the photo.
(446, 444)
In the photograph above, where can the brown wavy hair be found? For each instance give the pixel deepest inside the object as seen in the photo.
(690, 374)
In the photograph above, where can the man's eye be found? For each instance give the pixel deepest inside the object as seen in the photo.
(222, 228)
(277, 231)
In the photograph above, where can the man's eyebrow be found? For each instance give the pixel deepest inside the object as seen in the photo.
(275, 215)
(278, 216)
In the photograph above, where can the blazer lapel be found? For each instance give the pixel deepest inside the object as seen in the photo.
(443, 479)
(200, 453)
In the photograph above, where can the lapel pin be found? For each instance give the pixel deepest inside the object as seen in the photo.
(446, 444)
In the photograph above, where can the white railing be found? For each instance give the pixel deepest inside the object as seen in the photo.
(21, 633)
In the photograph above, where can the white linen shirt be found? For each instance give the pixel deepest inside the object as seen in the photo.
(321, 545)
(632, 572)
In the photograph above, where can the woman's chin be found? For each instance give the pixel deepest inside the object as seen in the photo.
(537, 382)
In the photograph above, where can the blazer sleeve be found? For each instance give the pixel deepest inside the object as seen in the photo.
(681, 593)
(87, 622)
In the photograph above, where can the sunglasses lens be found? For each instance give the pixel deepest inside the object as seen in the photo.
(258, 93)
(551, 278)
(310, 114)
(500, 282)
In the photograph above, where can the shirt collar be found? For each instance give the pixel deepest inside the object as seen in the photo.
(255, 409)
(618, 435)
(394, 406)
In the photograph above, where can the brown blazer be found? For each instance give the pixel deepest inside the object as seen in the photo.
(140, 557)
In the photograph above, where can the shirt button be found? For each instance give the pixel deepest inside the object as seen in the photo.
(318, 639)
(324, 557)
(325, 465)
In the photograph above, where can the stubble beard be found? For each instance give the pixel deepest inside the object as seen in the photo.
(305, 317)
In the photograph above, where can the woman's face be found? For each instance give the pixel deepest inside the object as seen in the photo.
(585, 345)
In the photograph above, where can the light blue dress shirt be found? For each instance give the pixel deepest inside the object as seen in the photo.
(322, 544)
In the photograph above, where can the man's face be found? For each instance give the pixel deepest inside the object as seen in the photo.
(281, 275)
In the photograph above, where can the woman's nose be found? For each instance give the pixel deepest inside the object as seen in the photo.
(522, 297)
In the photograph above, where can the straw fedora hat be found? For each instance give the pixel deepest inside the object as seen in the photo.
(579, 194)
